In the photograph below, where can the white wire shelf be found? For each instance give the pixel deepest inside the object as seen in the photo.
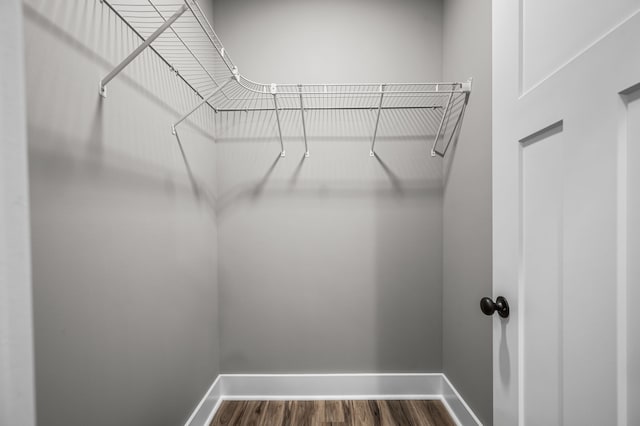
(180, 33)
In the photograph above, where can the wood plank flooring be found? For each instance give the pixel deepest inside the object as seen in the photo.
(303, 413)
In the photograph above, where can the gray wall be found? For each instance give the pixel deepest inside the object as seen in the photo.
(331, 263)
(17, 393)
(123, 231)
(467, 209)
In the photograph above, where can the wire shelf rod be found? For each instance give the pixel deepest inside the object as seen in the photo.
(220, 52)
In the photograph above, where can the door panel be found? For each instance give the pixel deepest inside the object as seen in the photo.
(566, 225)
(541, 301)
(572, 25)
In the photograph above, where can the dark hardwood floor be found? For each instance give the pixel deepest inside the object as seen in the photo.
(302, 413)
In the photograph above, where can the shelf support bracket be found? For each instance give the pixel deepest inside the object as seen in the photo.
(139, 49)
(444, 116)
(204, 101)
(375, 131)
(456, 127)
(274, 92)
(304, 127)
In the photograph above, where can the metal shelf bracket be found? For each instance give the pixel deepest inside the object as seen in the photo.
(204, 101)
(139, 49)
(465, 87)
(304, 127)
(444, 116)
(274, 92)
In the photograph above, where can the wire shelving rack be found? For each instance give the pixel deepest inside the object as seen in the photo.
(181, 34)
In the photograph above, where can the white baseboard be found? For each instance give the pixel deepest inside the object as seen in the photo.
(332, 386)
(456, 405)
(206, 409)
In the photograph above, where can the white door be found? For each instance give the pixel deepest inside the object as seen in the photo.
(566, 191)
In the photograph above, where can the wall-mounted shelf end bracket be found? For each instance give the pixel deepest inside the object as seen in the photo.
(465, 88)
(139, 49)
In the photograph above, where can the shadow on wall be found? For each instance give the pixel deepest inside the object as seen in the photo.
(95, 33)
(124, 251)
(333, 138)
(102, 38)
(330, 263)
(333, 262)
(98, 36)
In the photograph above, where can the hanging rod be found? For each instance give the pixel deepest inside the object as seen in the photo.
(193, 50)
(325, 109)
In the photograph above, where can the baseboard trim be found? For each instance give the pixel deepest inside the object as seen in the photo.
(332, 386)
(209, 404)
(456, 405)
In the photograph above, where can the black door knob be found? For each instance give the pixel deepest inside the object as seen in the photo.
(488, 306)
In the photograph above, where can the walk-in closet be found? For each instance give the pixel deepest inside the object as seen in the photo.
(292, 212)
